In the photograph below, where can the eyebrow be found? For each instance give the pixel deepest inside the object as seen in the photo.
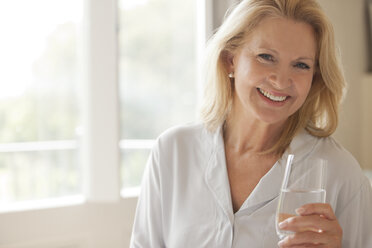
(299, 58)
(305, 58)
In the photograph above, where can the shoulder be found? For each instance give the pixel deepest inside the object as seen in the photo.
(339, 159)
(307, 146)
(182, 138)
(344, 177)
(345, 181)
(182, 152)
(342, 167)
(189, 130)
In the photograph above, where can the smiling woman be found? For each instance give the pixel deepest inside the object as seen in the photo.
(274, 85)
(271, 77)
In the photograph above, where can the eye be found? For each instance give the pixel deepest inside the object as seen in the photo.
(303, 66)
(266, 57)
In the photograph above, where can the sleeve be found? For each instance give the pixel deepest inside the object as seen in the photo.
(147, 228)
(356, 218)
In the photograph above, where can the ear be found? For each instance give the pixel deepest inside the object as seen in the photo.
(228, 60)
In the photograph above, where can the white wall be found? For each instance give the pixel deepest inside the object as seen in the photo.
(89, 225)
(219, 11)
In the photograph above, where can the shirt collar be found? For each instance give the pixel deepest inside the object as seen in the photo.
(268, 187)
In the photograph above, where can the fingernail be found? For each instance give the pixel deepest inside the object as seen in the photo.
(300, 211)
(283, 224)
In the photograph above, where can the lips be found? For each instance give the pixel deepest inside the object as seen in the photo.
(272, 97)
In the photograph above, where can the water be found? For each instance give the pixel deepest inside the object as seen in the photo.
(290, 200)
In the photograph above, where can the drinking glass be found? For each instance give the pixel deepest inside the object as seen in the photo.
(303, 183)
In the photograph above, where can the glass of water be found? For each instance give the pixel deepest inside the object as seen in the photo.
(303, 183)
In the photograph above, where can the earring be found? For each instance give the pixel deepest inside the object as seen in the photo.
(231, 75)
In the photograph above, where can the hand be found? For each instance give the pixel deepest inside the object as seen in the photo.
(316, 226)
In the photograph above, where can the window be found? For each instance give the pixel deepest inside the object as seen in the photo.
(39, 110)
(45, 109)
(157, 68)
(74, 120)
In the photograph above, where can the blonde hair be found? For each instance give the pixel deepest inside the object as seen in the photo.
(319, 113)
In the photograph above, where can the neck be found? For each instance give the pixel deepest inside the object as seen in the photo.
(242, 135)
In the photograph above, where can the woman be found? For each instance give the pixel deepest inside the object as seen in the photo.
(273, 88)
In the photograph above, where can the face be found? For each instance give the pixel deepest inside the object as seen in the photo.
(273, 70)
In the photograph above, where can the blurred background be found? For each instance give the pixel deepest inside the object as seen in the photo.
(86, 86)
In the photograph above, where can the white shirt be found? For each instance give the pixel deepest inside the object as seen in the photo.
(185, 199)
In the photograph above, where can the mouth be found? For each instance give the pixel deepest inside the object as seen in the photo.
(272, 97)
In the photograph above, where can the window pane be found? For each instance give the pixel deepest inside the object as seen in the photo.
(38, 94)
(157, 44)
(157, 66)
(35, 175)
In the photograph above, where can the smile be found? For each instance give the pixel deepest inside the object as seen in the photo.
(272, 97)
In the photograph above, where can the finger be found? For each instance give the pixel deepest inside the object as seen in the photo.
(323, 209)
(305, 246)
(313, 223)
(306, 239)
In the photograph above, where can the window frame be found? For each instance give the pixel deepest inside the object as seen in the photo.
(100, 145)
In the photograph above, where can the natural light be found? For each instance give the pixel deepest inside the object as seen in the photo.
(25, 26)
(38, 98)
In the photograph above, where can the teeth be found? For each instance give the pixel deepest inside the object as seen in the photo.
(271, 97)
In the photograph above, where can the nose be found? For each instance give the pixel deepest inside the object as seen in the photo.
(280, 79)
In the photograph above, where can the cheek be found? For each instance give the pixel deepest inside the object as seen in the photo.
(251, 74)
(304, 86)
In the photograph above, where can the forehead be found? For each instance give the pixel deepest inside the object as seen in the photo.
(283, 35)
